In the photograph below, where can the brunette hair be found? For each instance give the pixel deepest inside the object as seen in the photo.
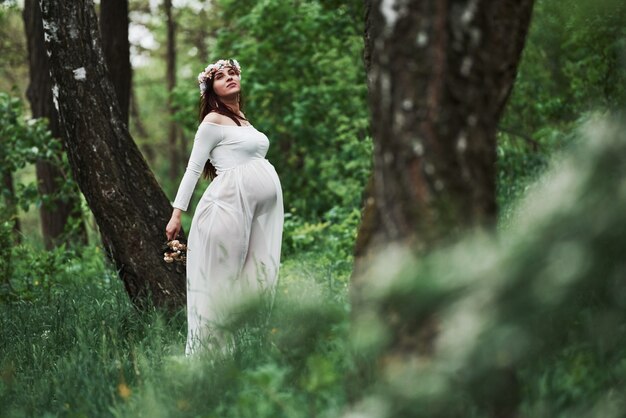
(210, 102)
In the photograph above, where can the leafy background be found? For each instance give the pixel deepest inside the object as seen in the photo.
(72, 345)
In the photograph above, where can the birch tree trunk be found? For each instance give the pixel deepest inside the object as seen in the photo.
(439, 75)
(129, 206)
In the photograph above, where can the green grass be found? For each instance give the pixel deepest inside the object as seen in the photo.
(543, 296)
(72, 345)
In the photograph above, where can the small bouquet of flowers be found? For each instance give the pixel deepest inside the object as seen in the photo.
(175, 251)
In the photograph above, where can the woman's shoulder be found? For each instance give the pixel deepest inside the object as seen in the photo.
(220, 119)
(216, 118)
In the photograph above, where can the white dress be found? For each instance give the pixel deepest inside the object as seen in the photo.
(233, 247)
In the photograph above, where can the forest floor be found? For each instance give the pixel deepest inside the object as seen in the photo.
(72, 344)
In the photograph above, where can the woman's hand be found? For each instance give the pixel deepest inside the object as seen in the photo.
(173, 226)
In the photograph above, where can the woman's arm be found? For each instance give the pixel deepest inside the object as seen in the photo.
(207, 137)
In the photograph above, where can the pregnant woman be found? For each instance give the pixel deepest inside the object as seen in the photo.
(233, 248)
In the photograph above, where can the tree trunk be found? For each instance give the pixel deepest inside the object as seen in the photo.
(116, 47)
(129, 206)
(54, 217)
(170, 59)
(439, 75)
(201, 38)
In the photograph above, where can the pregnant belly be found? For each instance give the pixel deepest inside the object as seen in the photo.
(260, 183)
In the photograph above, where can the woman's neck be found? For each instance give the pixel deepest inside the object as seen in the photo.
(233, 105)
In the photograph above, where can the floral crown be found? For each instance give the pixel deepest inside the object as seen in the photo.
(211, 69)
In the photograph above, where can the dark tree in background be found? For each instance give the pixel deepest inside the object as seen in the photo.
(54, 216)
(439, 75)
(170, 60)
(200, 36)
(116, 48)
(129, 206)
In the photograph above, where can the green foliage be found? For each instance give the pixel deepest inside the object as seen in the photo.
(520, 164)
(543, 297)
(70, 336)
(6, 264)
(304, 86)
(290, 367)
(13, 65)
(580, 371)
(26, 142)
(547, 290)
(334, 233)
(572, 63)
(22, 143)
(572, 66)
(73, 345)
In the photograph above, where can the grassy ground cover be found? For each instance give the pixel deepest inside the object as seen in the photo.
(72, 345)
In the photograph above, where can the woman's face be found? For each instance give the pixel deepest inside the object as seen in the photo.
(226, 82)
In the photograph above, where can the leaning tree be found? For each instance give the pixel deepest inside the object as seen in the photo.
(129, 206)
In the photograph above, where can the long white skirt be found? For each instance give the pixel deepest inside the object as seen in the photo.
(233, 249)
